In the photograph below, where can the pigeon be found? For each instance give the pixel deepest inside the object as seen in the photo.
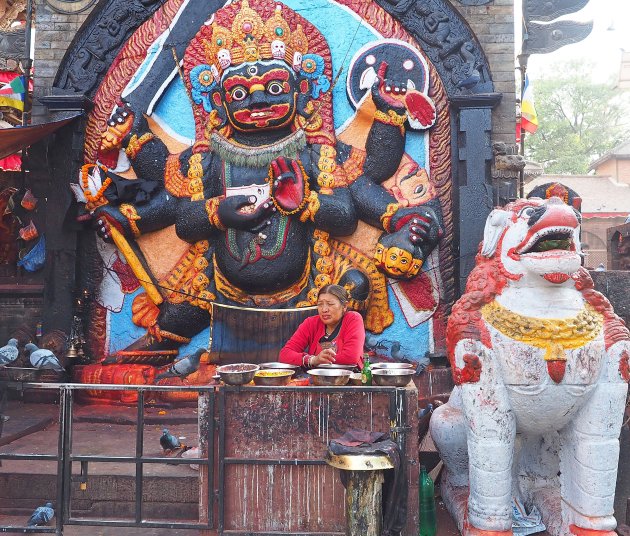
(9, 353)
(41, 516)
(182, 368)
(43, 358)
(169, 442)
(396, 351)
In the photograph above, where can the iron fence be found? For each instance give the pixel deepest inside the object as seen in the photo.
(65, 456)
(213, 455)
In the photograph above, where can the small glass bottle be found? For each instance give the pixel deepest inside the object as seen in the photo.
(366, 371)
(426, 495)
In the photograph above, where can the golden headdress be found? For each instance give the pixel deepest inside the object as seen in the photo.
(251, 38)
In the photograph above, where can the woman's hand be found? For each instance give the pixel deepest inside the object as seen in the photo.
(325, 357)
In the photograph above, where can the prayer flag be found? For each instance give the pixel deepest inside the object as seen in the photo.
(15, 86)
(529, 119)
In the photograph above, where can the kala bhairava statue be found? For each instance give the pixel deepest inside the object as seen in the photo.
(232, 182)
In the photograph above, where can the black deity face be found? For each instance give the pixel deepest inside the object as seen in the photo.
(259, 96)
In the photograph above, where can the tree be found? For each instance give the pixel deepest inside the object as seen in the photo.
(579, 120)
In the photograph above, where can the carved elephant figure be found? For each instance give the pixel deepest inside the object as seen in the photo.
(540, 362)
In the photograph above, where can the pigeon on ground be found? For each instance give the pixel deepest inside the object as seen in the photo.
(9, 353)
(43, 358)
(41, 516)
(169, 442)
(182, 368)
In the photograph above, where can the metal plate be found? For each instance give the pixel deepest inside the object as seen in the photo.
(278, 365)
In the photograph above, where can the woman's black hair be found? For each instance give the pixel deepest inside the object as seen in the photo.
(337, 291)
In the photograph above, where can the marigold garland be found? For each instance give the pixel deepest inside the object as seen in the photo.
(98, 196)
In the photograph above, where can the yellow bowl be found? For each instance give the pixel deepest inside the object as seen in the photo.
(273, 377)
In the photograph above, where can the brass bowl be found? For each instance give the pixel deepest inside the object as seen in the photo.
(392, 377)
(327, 377)
(393, 366)
(356, 378)
(238, 373)
(273, 377)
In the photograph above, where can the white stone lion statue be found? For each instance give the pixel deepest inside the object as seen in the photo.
(541, 365)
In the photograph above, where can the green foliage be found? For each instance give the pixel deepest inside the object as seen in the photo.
(578, 120)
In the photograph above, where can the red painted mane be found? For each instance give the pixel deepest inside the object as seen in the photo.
(489, 278)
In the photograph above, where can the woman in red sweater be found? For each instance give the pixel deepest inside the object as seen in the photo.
(335, 335)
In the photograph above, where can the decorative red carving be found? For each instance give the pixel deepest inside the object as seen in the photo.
(624, 365)
(419, 292)
(486, 280)
(471, 371)
(128, 281)
(557, 277)
(556, 369)
(615, 329)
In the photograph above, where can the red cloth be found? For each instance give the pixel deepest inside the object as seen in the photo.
(305, 340)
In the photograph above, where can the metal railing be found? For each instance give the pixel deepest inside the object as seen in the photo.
(213, 454)
(65, 457)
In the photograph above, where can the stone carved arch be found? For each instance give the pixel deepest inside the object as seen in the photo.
(444, 35)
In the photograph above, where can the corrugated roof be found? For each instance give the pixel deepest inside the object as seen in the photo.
(621, 151)
(599, 194)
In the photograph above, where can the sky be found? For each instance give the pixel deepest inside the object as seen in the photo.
(611, 34)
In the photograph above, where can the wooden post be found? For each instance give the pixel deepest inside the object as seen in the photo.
(364, 503)
(363, 480)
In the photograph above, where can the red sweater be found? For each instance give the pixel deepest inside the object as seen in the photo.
(305, 340)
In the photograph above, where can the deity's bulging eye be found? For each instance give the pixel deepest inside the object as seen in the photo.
(419, 190)
(275, 88)
(239, 93)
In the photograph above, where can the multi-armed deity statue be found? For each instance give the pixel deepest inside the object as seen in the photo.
(542, 366)
(232, 181)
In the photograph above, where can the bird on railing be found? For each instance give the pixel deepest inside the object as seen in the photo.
(169, 442)
(9, 353)
(42, 358)
(41, 516)
(183, 367)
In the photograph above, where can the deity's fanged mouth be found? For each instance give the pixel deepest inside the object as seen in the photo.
(549, 239)
(261, 116)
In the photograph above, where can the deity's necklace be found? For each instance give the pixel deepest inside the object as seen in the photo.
(260, 156)
(553, 335)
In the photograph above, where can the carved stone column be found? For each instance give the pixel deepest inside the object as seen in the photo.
(472, 178)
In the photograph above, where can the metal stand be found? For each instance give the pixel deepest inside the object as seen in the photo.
(363, 477)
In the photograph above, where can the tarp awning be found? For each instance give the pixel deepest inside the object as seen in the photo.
(13, 140)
